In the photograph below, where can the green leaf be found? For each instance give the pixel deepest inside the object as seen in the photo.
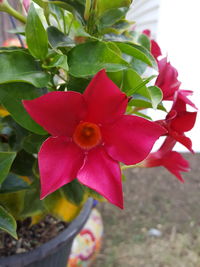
(156, 95)
(23, 164)
(15, 133)
(18, 66)
(105, 5)
(134, 52)
(33, 196)
(143, 83)
(92, 193)
(59, 61)
(36, 36)
(77, 84)
(39, 3)
(32, 143)
(58, 38)
(6, 160)
(141, 39)
(13, 183)
(7, 222)
(11, 96)
(132, 83)
(111, 16)
(144, 103)
(89, 58)
(148, 55)
(74, 192)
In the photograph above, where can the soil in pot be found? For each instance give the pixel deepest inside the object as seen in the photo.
(30, 236)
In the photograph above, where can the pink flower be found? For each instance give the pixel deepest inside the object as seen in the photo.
(167, 79)
(155, 49)
(177, 122)
(181, 100)
(89, 136)
(26, 4)
(171, 160)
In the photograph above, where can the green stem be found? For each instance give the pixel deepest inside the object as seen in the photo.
(5, 7)
(139, 165)
(87, 9)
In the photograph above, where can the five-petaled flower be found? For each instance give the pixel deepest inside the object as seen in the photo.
(90, 135)
(178, 121)
(171, 160)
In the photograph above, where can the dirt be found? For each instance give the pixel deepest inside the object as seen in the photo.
(30, 236)
(154, 199)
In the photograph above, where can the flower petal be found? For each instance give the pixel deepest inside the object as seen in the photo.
(175, 163)
(57, 112)
(184, 121)
(167, 79)
(102, 174)
(184, 140)
(104, 99)
(131, 138)
(59, 162)
(182, 95)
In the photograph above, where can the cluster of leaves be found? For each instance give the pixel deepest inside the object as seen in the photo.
(68, 42)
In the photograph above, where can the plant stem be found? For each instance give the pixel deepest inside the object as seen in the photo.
(139, 165)
(8, 9)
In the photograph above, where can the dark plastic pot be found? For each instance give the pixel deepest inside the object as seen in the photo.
(54, 253)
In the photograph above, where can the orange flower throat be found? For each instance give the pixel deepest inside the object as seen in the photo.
(87, 135)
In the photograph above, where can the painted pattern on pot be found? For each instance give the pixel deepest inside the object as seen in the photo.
(88, 242)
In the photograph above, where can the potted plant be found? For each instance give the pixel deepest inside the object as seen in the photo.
(72, 101)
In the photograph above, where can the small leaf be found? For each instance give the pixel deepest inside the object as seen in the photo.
(143, 83)
(148, 54)
(112, 16)
(135, 52)
(13, 183)
(6, 160)
(105, 5)
(7, 222)
(74, 192)
(36, 36)
(58, 38)
(33, 196)
(133, 83)
(156, 95)
(18, 66)
(59, 61)
(144, 104)
(32, 143)
(23, 163)
(11, 96)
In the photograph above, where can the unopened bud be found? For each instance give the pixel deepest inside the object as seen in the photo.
(26, 4)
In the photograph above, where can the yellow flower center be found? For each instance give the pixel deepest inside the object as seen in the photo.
(87, 135)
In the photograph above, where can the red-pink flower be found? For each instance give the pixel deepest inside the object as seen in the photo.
(155, 48)
(90, 135)
(181, 100)
(171, 160)
(167, 79)
(177, 122)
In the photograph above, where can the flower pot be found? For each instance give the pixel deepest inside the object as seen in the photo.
(54, 253)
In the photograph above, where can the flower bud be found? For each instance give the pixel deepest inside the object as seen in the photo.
(26, 4)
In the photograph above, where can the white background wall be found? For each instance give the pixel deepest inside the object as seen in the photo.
(176, 26)
(178, 34)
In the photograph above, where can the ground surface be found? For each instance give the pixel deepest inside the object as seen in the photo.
(154, 199)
